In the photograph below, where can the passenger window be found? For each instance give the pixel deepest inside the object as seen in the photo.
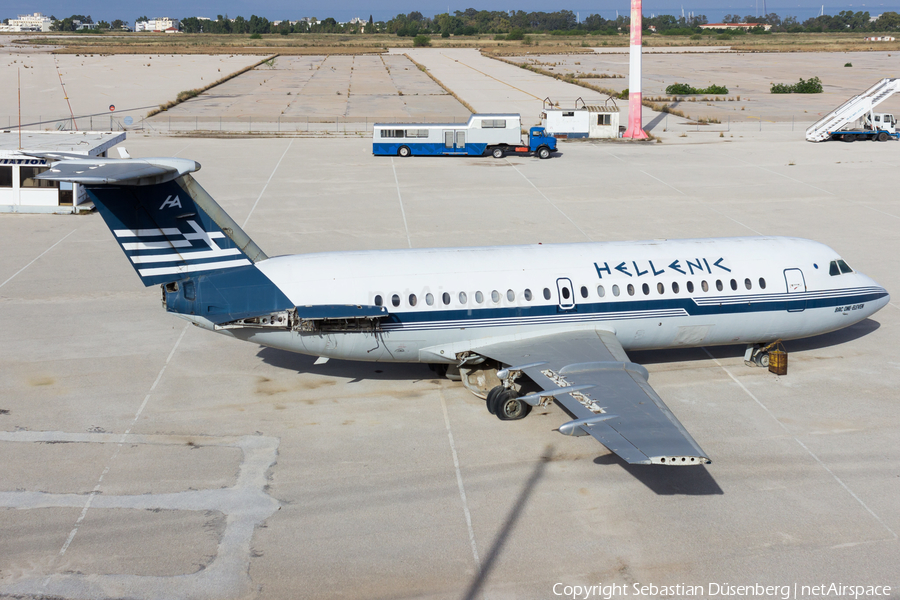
(495, 296)
(565, 293)
(446, 298)
(661, 288)
(462, 298)
(690, 287)
(748, 284)
(704, 285)
(733, 284)
(510, 295)
(479, 297)
(630, 290)
(379, 301)
(674, 287)
(546, 293)
(395, 300)
(833, 269)
(845, 268)
(600, 291)
(615, 290)
(429, 299)
(646, 289)
(584, 291)
(762, 283)
(527, 295)
(719, 285)
(412, 300)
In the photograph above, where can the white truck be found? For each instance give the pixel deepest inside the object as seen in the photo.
(871, 126)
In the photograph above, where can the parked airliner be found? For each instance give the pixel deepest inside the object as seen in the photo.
(521, 325)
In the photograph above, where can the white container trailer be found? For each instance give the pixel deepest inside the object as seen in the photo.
(584, 122)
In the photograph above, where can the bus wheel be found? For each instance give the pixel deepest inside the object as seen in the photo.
(404, 151)
(497, 152)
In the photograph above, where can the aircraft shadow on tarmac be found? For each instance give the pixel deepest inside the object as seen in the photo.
(668, 481)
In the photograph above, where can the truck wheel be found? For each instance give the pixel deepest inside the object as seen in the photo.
(404, 151)
(883, 136)
(849, 137)
(497, 152)
(543, 152)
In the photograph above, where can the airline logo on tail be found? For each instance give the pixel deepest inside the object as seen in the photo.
(152, 251)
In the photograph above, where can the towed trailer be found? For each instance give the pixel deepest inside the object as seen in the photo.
(495, 134)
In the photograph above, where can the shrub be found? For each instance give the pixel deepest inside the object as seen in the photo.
(682, 89)
(696, 36)
(848, 64)
(515, 35)
(421, 40)
(255, 36)
(808, 86)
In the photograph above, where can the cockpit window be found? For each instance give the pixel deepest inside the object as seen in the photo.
(845, 268)
(839, 267)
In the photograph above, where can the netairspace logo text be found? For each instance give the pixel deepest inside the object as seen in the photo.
(714, 590)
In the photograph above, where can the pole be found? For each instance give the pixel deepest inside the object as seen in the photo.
(635, 129)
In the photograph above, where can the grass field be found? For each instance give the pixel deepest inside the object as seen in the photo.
(149, 43)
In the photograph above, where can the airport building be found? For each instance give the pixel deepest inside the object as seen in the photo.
(159, 24)
(33, 22)
(21, 193)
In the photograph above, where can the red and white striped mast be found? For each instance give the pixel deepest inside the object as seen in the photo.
(635, 128)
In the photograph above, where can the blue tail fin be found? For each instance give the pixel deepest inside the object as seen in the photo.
(175, 234)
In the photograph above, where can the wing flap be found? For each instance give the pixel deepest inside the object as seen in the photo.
(611, 398)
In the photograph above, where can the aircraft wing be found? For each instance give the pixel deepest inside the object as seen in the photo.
(611, 399)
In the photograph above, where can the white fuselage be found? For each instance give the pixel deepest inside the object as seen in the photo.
(652, 294)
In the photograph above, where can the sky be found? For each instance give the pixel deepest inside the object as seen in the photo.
(344, 10)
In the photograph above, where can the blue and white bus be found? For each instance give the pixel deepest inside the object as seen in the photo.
(483, 133)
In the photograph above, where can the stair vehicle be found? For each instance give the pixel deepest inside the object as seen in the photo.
(494, 134)
(855, 119)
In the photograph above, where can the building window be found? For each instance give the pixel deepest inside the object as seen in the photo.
(568, 114)
(27, 174)
(604, 119)
(5, 177)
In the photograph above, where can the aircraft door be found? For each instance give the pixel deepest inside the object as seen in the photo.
(796, 284)
(566, 296)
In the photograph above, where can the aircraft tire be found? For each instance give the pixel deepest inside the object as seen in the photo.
(509, 407)
(762, 359)
(403, 151)
(491, 397)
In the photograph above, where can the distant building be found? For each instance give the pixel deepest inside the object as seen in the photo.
(880, 38)
(33, 22)
(159, 24)
(744, 26)
(20, 192)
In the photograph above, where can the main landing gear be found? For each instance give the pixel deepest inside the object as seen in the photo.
(505, 403)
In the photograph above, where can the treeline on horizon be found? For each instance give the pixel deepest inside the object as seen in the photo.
(562, 22)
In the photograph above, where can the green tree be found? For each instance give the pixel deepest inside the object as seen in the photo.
(888, 21)
(421, 40)
(118, 23)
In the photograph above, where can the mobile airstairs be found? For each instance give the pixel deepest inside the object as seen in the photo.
(852, 109)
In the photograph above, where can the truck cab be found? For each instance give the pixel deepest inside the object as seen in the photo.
(538, 136)
(884, 122)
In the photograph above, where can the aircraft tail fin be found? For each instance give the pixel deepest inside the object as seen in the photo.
(168, 226)
(175, 234)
